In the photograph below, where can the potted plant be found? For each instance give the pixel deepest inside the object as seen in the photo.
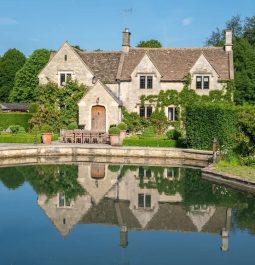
(123, 129)
(46, 134)
(114, 133)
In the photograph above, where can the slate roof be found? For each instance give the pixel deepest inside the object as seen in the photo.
(14, 106)
(170, 217)
(104, 65)
(172, 63)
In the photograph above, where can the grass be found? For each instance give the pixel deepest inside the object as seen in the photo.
(234, 168)
(156, 141)
(23, 138)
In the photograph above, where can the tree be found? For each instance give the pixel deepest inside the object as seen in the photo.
(26, 79)
(149, 44)
(244, 56)
(10, 63)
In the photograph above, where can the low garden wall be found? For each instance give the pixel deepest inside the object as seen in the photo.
(75, 152)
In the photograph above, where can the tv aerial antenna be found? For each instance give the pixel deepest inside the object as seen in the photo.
(126, 14)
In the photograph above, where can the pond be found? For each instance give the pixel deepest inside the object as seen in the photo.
(95, 213)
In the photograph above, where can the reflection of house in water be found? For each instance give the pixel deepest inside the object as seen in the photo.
(122, 201)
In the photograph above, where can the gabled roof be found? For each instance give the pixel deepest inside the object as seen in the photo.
(175, 63)
(104, 65)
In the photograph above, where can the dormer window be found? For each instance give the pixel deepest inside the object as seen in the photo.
(202, 82)
(146, 81)
(64, 77)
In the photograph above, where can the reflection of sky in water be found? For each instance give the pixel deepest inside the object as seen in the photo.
(166, 221)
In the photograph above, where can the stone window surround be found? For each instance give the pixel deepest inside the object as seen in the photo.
(174, 112)
(65, 206)
(203, 75)
(146, 75)
(64, 72)
(145, 106)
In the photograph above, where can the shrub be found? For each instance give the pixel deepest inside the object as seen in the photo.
(46, 128)
(205, 122)
(114, 131)
(122, 126)
(114, 168)
(17, 129)
(72, 126)
(173, 134)
(159, 121)
(149, 142)
(33, 108)
(8, 119)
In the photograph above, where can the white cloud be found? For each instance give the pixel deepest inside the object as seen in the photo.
(7, 21)
(187, 21)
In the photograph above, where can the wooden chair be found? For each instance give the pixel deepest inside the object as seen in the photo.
(69, 137)
(94, 137)
(86, 138)
(78, 136)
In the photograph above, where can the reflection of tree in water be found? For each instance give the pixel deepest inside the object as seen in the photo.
(45, 179)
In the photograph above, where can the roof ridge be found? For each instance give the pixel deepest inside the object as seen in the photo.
(172, 48)
(98, 52)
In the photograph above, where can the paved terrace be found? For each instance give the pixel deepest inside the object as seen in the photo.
(61, 152)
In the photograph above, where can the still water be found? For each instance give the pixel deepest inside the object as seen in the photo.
(93, 213)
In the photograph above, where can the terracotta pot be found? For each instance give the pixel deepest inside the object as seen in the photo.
(122, 136)
(47, 137)
(114, 139)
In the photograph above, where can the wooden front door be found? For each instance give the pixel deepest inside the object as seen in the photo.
(97, 171)
(98, 116)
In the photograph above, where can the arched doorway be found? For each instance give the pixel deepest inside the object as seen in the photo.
(98, 118)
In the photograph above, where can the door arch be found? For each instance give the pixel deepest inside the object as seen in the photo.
(98, 118)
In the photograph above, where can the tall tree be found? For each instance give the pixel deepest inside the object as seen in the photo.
(149, 44)
(244, 55)
(10, 63)
(26, 79)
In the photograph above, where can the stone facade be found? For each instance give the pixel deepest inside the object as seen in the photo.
(119, 74)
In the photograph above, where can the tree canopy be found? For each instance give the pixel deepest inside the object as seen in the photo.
(10, 63)
(244, 55)
(149, 44)
(26, 79)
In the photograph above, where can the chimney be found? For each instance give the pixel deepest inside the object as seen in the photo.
(228, 40)
(126, 40)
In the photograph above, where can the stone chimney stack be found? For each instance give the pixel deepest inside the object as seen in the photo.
(228, 40)
(126, 40)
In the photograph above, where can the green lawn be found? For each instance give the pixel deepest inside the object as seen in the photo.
(156, 141)
(23, 138)
(246, 172)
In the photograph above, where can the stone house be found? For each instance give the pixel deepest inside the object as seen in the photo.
(117, 79)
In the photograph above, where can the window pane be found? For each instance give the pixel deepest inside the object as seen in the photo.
(199, 82)
(148, 173)
(62, 79)
(148, 201)
(149, 111)
(171, 114)
(142, 111)
(65, 57)
(176, 117)
(149, 82)
(141, 172)
(142, 82)
(61, 202)
(206, 82)
(141, 200)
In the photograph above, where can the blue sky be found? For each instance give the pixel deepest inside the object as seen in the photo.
(31, 24)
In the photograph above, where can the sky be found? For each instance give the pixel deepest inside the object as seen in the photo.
(31, 24)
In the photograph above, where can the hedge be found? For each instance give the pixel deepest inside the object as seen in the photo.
(23, 138)
(208, 121)
(151, 142)
(22, 119)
